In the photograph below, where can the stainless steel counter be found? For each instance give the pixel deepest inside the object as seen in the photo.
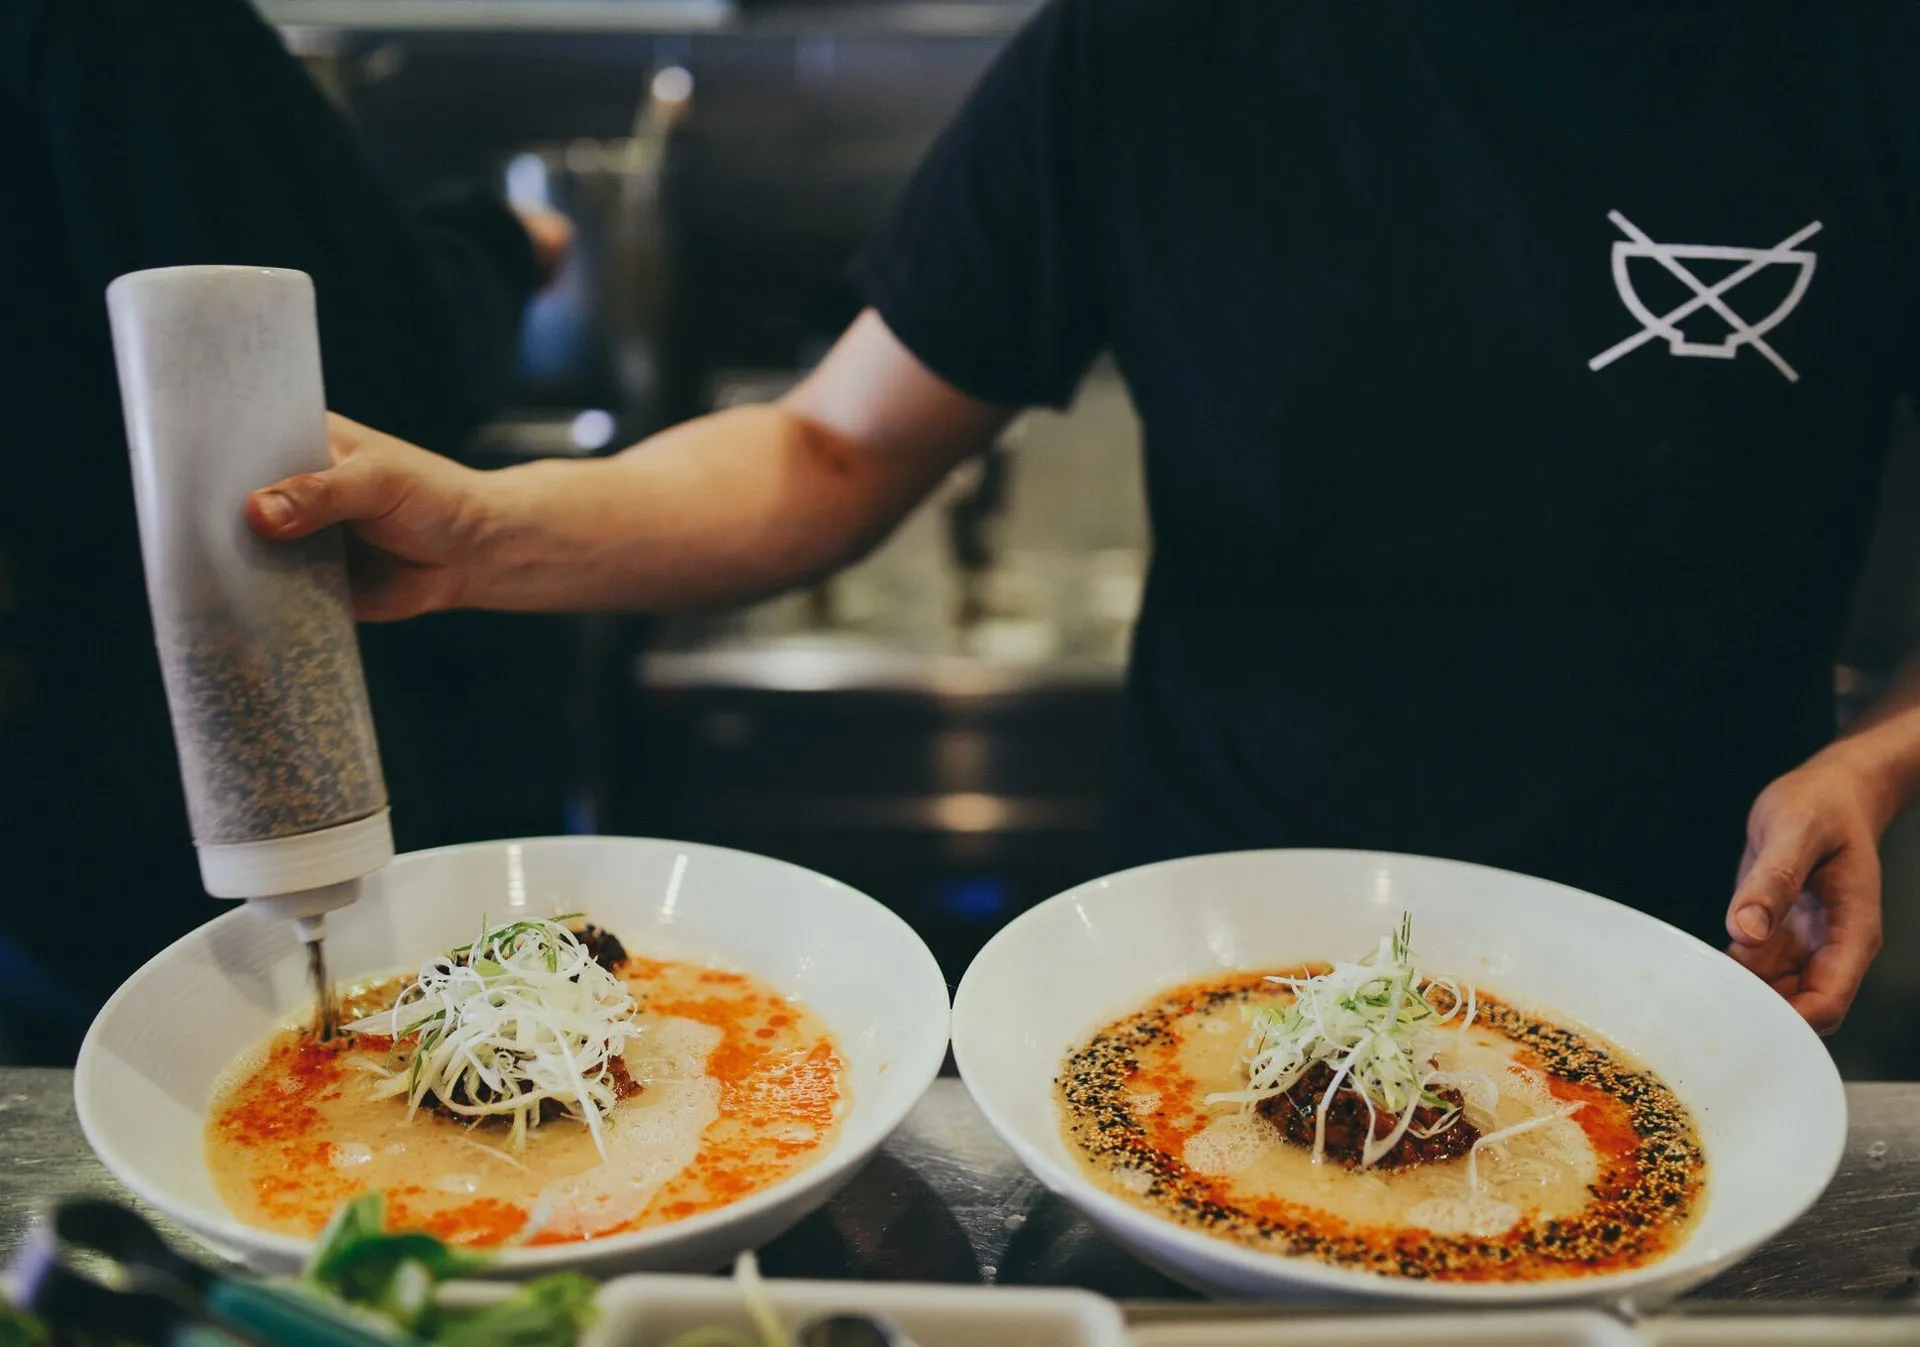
(945, 1201)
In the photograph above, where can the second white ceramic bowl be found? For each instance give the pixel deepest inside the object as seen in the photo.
(1769, 1103)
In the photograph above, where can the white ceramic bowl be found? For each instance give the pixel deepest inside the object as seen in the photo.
(150, 1062)
(1762, 1087)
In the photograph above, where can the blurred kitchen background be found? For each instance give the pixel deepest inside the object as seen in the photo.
(934, 725)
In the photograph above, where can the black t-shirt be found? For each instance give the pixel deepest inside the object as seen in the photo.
(1515, 380)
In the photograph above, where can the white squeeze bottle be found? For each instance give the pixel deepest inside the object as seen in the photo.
(220, 378)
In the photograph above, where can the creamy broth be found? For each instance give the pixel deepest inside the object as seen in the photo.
(1613, 1185)
(740, 1088)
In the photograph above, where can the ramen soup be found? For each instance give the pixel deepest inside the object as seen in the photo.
(1525, 1150)
(674, 1089)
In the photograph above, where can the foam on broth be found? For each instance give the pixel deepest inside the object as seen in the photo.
(741, 1088)
(1614, 1185)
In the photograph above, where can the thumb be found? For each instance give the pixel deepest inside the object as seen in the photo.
(1784, 855)
(356, 487)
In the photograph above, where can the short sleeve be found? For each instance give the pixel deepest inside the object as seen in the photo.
(985, 270)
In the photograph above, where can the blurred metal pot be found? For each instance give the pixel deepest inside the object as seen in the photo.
(593, 338)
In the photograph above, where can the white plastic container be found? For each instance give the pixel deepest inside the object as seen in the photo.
(220, 377)
(653, 1311)
(1530, 1328)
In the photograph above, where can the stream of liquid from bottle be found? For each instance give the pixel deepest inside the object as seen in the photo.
(326, 1008)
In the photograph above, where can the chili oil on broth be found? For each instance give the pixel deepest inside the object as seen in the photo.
(1616, 1185)
(740, 1089)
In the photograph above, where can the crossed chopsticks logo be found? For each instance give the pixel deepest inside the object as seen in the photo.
(1674, 257)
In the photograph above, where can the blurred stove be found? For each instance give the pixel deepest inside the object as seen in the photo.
(957, 790)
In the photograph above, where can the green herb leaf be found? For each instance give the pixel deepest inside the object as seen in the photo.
(20, 1330)
(550, 1312)
(358, 1261)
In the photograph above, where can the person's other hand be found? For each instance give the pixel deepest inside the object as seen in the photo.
(416, 519)
(1805, 914)
(552, 237)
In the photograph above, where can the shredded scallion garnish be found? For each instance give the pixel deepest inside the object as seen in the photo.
(1371, 1022)
(498, 1028)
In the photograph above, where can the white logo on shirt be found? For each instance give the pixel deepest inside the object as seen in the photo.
(1674, 256)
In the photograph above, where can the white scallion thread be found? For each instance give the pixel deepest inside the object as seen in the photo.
(1507, 1134)
(497, 1028)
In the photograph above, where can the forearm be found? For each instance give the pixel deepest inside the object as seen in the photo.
(1882, 748)
(721, 510)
